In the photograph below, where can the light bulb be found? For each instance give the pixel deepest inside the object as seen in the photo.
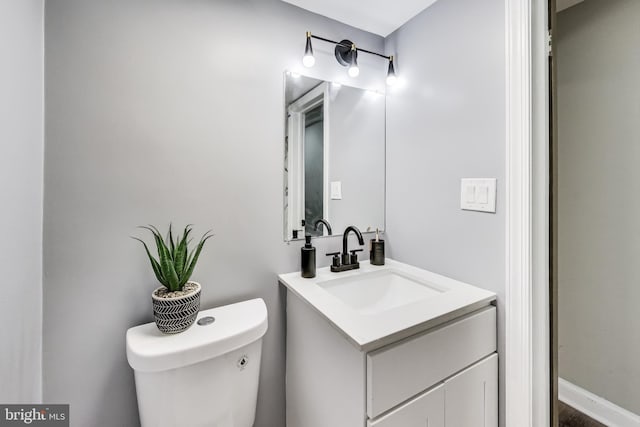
(391, 79)
(391, 73)
(353, 66)
(308, 60)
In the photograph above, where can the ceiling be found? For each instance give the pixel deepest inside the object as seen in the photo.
(380, 17)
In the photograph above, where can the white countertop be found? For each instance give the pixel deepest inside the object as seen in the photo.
(370, 331)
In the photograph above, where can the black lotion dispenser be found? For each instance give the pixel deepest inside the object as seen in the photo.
(308, 259)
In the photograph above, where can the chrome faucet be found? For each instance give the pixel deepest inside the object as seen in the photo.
(349, 258)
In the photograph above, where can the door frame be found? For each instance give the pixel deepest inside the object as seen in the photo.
(527, 329)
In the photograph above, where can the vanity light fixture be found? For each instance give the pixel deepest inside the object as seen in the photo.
(346, 54)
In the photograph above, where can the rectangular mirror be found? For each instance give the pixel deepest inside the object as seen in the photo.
(334, 157)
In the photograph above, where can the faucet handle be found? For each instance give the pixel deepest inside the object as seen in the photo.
(354, 256)
(335, 261)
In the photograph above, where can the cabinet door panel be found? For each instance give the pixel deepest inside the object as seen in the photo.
(471, 397)
(425, 410)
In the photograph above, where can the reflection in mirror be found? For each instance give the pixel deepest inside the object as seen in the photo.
(313, 169)
(334, 168)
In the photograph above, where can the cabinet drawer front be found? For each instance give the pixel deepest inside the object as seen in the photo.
(400, 371)
(428, 409)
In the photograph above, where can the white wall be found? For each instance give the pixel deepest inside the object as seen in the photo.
(21, 153)
(162, 110)
(446, 121)
(598, 207)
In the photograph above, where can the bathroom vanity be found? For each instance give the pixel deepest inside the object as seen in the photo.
(389, 346)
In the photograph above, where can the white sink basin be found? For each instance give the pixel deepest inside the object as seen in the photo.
(376, 305)
(379, 291)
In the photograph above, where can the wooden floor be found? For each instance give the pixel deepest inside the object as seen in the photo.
(570, 417)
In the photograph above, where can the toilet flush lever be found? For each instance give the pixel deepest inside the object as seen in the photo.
(243, 362)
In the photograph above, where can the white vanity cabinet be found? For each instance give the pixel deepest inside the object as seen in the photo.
(443, 376)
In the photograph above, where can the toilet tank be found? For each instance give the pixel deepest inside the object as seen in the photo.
(205, 376)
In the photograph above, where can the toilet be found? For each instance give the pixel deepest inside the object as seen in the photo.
(205, 376)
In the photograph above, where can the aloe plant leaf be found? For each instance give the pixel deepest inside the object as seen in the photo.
(171, 244)
(154, 263)
(162, 246)
(186, 266)
(168, 269)
(156, 236)
(185, 234)
(164, 259)
(181, 255)
(194, 260)
(153, 229)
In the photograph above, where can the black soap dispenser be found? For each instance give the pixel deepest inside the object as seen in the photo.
(308, 259)
(376, 253)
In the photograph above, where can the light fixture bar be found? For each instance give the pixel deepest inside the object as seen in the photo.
(346, 53)
(349, 46)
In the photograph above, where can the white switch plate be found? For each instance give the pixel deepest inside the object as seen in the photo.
(478, 194)
(336, 190)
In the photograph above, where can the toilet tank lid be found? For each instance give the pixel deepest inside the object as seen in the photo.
(235, 325)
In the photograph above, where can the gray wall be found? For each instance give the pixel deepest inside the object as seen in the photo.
(598, 208)
(446, 121)
(160, 110)
(21, 156)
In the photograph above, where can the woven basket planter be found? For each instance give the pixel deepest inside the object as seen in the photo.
(174, 315)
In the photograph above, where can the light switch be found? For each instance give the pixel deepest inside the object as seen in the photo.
(336, 190)
(482, 191)
(478, 194)
(469, 192)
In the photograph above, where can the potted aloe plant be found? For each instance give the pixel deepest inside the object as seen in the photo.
(176, 303)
